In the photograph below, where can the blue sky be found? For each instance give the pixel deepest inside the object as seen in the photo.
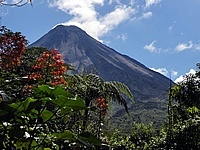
(164, 35)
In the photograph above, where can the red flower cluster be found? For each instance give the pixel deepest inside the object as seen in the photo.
(102, 105)
(51, 64)
(12, 46)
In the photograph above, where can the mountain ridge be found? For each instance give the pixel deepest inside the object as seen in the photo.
(85, 53)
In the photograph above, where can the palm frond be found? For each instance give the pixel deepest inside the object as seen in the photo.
(95, 81)
(122, 89)
(114, 94)
(76, 83)
(92, 86)
(74, 79)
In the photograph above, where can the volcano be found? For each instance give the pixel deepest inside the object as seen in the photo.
(84, 53)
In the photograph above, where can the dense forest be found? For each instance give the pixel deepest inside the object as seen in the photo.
(44, 107)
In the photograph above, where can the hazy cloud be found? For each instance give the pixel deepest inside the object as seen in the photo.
(116, 1)
(162, 71)
(122, 36)
(184, 46)
(147, 15)
(132, 2)
(85, 15)
(170, 29)
(181, 78)
(197, 47)
(174, 74)
(151, 47)
(149, 3)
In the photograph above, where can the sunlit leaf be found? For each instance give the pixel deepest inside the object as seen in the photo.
(66, 135)
(17, 105)
(46, 115)
(27, 102)
(76, 104)
(60, 91)
(73, 103)
(65, 110)
(45, 89)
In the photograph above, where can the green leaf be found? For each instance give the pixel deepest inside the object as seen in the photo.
(65, 110)
(23, 106)
(60, 91)
(46, 115)
(88, 137)
(66, 135)
(46, 99)
(76, 104)
(122, 88)
(34, 143)
(27, 102)
(60, 100)
(33, 105)
(73, 103)
(44, 88)
(17, 105)
(33, 113)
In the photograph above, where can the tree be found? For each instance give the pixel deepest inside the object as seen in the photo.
(18, 3)
(97, 94)
(185, 114)
(34, 103)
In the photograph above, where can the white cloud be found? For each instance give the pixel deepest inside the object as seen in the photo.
(149, 3)
(174, 74)
(116, 1)
(197, 46)
(151, 47)
(132, 2)
(170, 28)
(85, 15)
(147, 15)
(184, 46)
(162, 71)
(123, 36)
(181, 78)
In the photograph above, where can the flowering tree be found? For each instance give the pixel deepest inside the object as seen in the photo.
(12, 47)
(34, 103)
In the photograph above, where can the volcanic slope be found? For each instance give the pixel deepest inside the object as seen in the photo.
(83, 52)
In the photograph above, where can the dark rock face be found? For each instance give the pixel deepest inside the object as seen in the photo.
(85, 53)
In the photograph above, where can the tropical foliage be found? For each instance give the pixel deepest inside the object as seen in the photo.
(43, 107)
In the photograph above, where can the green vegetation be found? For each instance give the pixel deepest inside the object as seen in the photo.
(42, 107)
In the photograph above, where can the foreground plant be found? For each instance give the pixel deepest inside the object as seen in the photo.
(38, 121)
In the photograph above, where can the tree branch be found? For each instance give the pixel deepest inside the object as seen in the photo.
(18, 4)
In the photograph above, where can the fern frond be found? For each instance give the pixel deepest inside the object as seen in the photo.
(114, 94)
(123, 89)
(95, 80)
